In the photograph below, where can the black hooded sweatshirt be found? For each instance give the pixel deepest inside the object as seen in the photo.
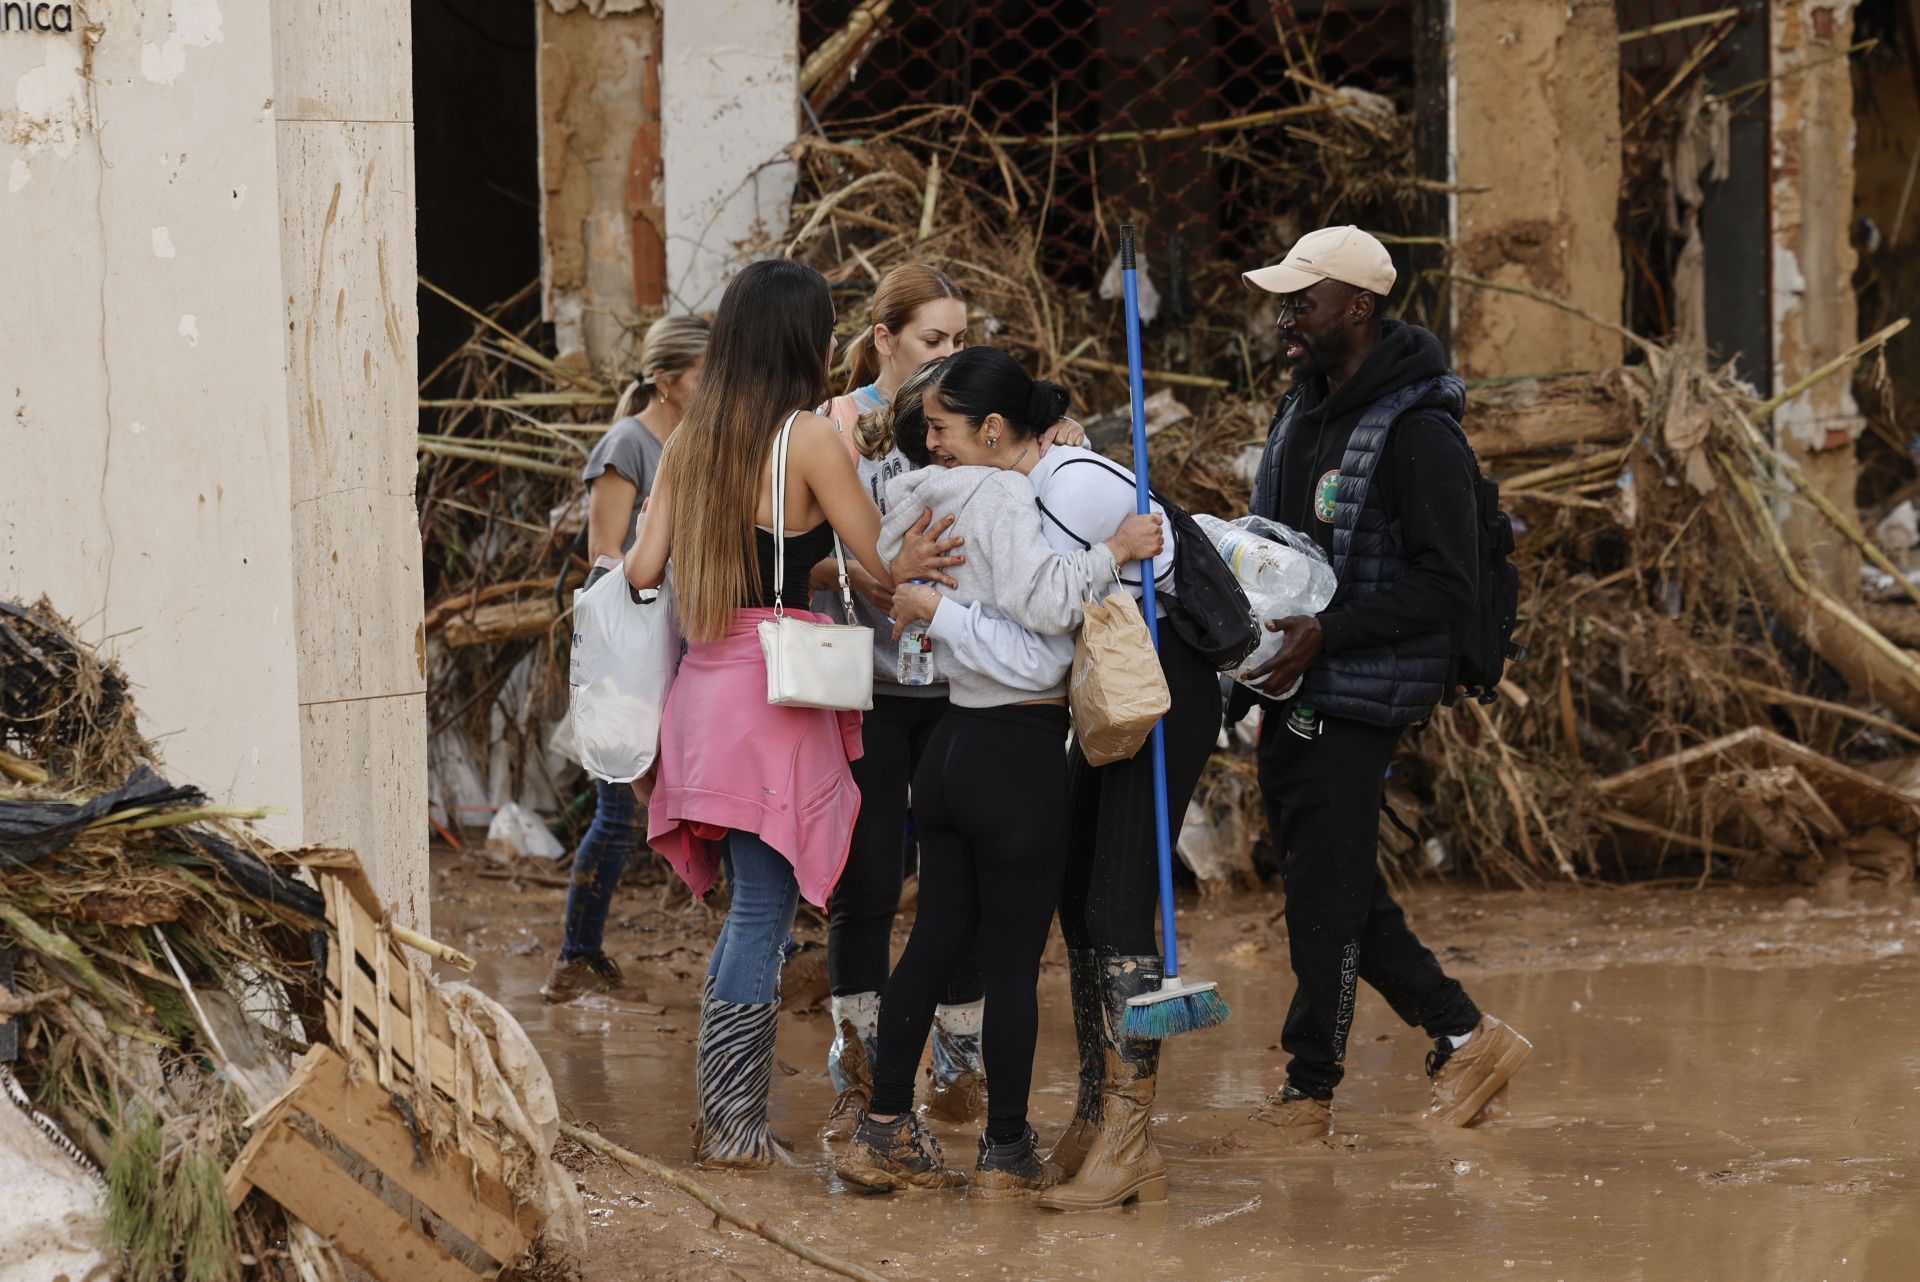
(1424, 482)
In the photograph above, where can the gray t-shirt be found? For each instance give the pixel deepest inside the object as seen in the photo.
(631, 450)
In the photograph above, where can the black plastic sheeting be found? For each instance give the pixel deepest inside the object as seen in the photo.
(32, 830)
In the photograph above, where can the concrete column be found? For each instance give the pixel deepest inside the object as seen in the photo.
(1536, 105)
(144, 451)
(207, 364)
(730, 92)
(343, 89)
(604, 259)
(1815, 314)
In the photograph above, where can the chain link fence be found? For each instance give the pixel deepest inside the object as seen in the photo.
(1191, 118)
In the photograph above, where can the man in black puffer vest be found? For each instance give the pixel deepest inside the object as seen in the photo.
(1366, 454)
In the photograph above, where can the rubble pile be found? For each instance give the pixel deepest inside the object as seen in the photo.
(219, 1059)
(1661, 608)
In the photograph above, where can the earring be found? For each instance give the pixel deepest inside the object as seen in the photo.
(993, 442)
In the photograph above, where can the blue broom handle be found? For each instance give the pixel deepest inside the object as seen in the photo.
(1143, 505)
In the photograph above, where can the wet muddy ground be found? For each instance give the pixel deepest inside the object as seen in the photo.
(1725, 1085)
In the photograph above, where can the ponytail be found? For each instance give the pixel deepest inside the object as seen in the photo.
(900, 293)
(980, 381)
(863, 361)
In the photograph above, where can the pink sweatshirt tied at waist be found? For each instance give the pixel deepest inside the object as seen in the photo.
(729, 759)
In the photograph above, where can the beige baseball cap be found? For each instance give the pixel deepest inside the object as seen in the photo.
(1345, 254)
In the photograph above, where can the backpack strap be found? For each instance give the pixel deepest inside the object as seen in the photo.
(1075, 535)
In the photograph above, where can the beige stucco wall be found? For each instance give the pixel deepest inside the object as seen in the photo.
(181, 458)
(1537, 159)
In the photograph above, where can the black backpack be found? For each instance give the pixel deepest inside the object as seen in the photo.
(1483, 641)
(1205, 604)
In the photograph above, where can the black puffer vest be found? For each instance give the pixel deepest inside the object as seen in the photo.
(1399, 683)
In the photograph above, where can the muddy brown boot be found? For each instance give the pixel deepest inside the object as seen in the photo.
(1011, 1170)
(850, 1061)
(884, 1156)
(957, 1078)
(1465, 1078)
(1122, 1163)
(733, 1074)
(1288, 1122)
(588, 973)
(1089, 1033)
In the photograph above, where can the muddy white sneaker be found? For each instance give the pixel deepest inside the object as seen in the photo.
(1467, 1078)
(1288, 1122)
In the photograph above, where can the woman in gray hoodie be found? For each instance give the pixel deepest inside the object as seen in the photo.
(990, 796)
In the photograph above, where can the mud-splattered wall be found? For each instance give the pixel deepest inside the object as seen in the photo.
(1537, 144)
(206, 372)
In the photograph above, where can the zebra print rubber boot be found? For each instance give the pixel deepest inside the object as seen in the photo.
(733, 1073)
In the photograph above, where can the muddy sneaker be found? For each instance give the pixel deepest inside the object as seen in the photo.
(884, 1156)
(578, 976)
(1466, 1078)
(1011, 1170)
(1288, 1121)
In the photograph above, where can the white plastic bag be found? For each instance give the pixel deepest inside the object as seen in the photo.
(1282, 571)
(626, 648)
(517, 832)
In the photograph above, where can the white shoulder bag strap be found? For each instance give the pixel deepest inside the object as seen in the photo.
(811, 665)
(780, 528)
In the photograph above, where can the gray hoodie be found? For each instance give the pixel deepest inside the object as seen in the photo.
(1011, 573)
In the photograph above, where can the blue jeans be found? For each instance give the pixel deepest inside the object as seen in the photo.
(618, 831)
(746, 957)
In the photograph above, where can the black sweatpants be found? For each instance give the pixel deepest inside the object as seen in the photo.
(865, 900)
(990, 804)
(1323, 809)
(1113, 858)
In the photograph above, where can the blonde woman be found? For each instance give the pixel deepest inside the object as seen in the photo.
(765, 789)
(619, 476)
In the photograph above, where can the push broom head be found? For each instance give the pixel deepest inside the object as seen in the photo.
(1179, 1006)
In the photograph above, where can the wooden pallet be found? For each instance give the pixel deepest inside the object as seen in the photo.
(327, 1111)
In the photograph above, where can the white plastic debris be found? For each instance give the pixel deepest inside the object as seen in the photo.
(517, 831)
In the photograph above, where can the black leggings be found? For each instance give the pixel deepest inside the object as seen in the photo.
(990, 802)
(1113, 877)
(867, 896)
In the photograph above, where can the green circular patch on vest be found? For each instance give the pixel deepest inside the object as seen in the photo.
(1324, 495)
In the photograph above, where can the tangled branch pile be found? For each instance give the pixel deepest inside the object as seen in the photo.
(161, 970)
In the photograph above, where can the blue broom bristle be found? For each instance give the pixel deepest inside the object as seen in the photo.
(1189, 1013)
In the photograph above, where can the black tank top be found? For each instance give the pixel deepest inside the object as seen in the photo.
(804, 551)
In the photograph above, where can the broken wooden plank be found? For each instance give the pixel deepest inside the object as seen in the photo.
(304, 1179)
(503, 621)
(452, 1185)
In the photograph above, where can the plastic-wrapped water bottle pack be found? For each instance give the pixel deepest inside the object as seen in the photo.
(1282, 571)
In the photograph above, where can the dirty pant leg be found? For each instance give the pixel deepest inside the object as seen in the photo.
(1113, 861)
(617, 834)
(745, 966)
(1323, 804)
(990, 805)
(867, 896)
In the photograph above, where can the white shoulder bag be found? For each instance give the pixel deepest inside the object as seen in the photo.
(811, 665)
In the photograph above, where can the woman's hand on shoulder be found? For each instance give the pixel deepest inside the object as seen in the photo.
(1064, 432)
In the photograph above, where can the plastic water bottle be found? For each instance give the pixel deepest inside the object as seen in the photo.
(916, 654)
(1261, 565)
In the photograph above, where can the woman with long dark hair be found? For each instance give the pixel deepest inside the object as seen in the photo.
(764, 788)
(990, 792)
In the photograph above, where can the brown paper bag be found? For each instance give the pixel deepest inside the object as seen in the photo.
(1117, 690)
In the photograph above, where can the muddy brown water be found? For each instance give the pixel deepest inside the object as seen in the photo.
(1724, 1086)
